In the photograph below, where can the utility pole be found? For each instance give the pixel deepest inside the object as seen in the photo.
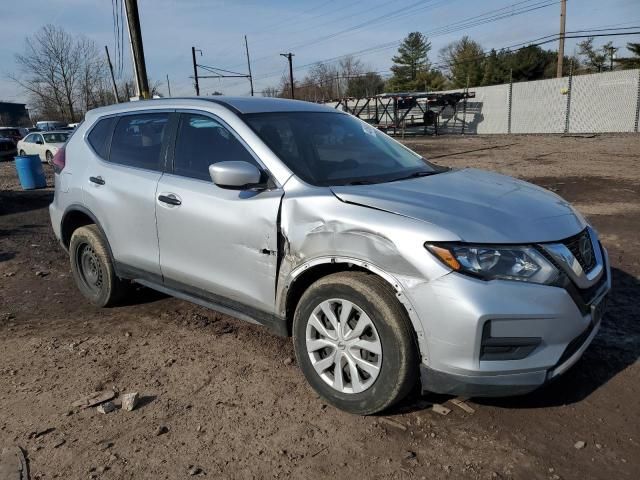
(168, 85)
(246, 46)
(289, 56)
(135, 37)
(195, 70)
(113, 79)
(612, 52)
(563, 23)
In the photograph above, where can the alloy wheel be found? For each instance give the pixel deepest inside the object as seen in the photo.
(344, 346)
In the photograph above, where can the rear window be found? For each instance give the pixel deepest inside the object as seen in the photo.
(99, 137)
(56, 137)
(137, 140)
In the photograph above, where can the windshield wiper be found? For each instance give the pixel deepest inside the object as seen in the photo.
(415, 175)
(360, 182)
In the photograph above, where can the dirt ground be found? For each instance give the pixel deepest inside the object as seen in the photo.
(232, 403)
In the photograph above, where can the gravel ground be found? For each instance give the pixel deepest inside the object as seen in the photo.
(223, 399)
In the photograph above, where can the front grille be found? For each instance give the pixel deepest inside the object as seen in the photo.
(573, 244)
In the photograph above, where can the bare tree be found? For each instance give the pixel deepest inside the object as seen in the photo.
(64, 75)
(270, 92)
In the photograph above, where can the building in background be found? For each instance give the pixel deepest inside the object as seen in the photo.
(14, 115)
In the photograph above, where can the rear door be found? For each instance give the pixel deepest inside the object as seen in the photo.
(120, 186)
(216, 242)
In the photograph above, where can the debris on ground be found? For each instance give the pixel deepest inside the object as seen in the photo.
(579, 445)
(288, 361)
(393, 423)
(194, 470)
(59, 443)
(409, 455)
(106, 407)
(94, 399)
(462, 405)
(41, 433)
(161, 430)
(42, 273)
(441, 409)
(13, 465)
(130, 401)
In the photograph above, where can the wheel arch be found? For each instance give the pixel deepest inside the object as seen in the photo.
(76, 216)
(303, 276)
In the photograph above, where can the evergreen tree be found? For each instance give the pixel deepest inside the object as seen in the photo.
(495, 70)
(630, 62)
(412, 58)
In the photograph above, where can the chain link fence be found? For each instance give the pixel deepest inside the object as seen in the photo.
(593, 103)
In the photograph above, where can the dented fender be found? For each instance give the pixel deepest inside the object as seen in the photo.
(315, 228)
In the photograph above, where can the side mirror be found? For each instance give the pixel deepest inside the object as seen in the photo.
(235, 175)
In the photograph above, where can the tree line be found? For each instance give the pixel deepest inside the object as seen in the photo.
(462, 63)
(65, 76)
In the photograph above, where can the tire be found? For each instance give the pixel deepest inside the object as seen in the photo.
(373, 302)
(21, 153)
(48, 157)
(92, 267)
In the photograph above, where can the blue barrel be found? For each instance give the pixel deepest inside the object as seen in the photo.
(30, 172)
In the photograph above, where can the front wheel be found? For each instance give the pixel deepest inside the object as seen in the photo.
(21, 153)
(354, 342)
(92, 267)
(49, 157)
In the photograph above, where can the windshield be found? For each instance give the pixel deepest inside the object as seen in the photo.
(329, 149)
(56, 137)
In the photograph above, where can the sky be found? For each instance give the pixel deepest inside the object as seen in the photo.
(314, 30)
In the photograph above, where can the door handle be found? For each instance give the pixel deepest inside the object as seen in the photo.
(169, 199)
(97, 180)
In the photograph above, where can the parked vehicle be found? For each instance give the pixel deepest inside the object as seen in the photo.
(44, 144)
(384, 267)
(14, 134)
(7, 148)
(49, 125)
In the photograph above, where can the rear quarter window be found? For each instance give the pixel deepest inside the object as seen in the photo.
(137, 140)
(98, 138)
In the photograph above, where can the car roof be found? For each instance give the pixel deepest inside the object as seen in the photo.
(240, 105)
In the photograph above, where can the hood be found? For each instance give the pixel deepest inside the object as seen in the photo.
(475, 205)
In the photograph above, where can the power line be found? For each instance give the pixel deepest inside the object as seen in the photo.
(446, 29)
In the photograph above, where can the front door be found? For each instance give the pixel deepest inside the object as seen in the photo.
(215, 242)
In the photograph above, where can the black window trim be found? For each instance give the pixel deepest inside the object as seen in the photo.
(163, 148)
(271, 179)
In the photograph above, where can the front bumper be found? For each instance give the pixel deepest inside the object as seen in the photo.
(455, 309)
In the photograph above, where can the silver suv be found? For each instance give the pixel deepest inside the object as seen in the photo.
(386, 269)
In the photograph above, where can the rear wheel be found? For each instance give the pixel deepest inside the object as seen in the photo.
(354, 342)
(21, 153)
(92, 267)
(49, 157)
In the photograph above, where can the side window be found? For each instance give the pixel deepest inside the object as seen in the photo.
(99, 136)
(137, 140)
(29, 138)
(202, 141)
(38, 138)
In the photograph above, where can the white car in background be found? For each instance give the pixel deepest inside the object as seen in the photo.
(44, 144)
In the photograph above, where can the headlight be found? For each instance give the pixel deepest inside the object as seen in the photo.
(489, 262)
